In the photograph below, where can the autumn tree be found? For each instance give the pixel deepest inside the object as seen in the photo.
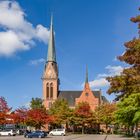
(3, 105)
(37, 118)
(4, 111)
(19, 115)
(129, 81)
(83, 115)
(106, 113)
(127, 85)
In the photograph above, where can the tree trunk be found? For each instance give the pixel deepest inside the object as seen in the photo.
(136, 131)
(82, 129)
(128, 131)
(98, 127)
(106, 128)
(73, 128)
(131, 130)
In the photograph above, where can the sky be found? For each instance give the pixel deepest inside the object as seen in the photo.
(87, 32)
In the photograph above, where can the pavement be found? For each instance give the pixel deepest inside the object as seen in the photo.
(71, 137)
(119, 137)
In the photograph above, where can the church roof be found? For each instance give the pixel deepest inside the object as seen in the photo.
(71, 95)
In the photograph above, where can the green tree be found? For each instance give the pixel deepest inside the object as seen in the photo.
(128, 112)
(106, 113)
(61, 112)
(36, 103)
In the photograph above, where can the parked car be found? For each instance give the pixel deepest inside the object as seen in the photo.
(59, 132)
(35, 134)
(7, 133)
(45, 133)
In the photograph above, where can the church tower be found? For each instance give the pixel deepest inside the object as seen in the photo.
(50, 74)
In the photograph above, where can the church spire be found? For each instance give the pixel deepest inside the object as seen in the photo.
(51, 57)
(86, 81)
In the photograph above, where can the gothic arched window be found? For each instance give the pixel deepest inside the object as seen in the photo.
(47, 90)
(51, 90)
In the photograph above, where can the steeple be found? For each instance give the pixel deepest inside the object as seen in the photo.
(86, 81)
(51, 57)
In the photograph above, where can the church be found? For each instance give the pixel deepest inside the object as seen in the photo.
(50, 79)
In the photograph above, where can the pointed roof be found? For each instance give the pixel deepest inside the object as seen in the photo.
(87, 86)
(86, 81)
(51, 45)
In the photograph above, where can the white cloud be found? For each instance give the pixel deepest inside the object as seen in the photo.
(36, 61)
(10, 43)
(101, 81)
(98, 83)
(42, 33)
(16, 32)
(114, 70)
(102, 75)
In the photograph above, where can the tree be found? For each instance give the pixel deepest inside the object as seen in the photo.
(4, 111)
(61, 112)
(105, 113)
(3, 105)
(129, 80)
(19, 115)
(83, 115)
(37, 118)
(128, 112)
(127, 85)
(36, 103)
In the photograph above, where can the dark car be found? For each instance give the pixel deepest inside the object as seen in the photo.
(35, 134)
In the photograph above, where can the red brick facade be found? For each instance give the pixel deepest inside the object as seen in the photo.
(88, 96)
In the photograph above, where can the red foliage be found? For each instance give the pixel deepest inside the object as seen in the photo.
(36, 115)
(3, 105)
(51, 119)
(4, 111)
(2, 118)
(37, 118)
(19, 116)
(83, 110)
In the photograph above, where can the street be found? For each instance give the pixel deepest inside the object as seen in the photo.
(71, 137)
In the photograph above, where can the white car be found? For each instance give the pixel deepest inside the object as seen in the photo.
(7, 133)
(57, 132)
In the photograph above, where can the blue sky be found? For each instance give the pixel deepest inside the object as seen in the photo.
(87, 32)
